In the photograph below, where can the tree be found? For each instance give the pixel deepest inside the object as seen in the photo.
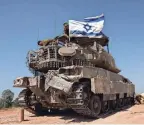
(15, 103)
(7, 96)
(1, 103)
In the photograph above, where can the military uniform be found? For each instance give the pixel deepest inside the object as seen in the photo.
(60, 39)
(66, 29)
(46, 42)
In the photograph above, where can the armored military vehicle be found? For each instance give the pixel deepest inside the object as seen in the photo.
(80, 75)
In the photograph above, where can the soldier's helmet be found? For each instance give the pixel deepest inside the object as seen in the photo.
(65, 24)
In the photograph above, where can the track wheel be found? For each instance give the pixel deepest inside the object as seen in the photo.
(122, 102)
(132, 101)
(114, 104)
(105, 106)
(125, 102)
(95, 105)
(128, 101)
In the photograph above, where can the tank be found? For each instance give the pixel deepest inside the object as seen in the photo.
(80, 75)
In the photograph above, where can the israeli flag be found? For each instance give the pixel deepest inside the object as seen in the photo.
(90, 27)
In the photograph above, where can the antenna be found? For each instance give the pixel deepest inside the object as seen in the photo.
(54, 22)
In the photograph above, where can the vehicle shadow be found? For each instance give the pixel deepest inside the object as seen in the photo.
(71, 117)
(78, 118)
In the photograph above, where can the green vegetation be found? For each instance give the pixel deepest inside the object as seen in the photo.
(6, 99)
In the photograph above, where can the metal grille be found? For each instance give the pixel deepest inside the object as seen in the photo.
(45, 54)
(52, 53)
(48, 58)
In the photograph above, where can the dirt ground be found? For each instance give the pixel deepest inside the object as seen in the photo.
(133, 115)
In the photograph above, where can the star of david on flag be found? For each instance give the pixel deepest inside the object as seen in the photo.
(90, 27)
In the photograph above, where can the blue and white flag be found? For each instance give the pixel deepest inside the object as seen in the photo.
(90, 27)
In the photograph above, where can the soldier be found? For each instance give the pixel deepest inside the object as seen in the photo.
(40, 43)
(63, 38)
(44, 42)
(66, 29)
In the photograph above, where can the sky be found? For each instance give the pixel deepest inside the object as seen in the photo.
(24, 22)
